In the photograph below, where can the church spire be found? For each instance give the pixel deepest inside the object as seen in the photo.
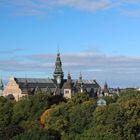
(58, 52)
(69, 77)
(58, 73)
(106, 89)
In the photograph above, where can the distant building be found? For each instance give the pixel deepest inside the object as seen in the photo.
(106, 91)
(138, 89)
(101, 102)
(20, 87)
(68, 87)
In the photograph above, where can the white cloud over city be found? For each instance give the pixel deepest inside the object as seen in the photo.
(43, 7)
(93, 65)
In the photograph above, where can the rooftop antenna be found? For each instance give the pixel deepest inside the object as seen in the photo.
(12, 76)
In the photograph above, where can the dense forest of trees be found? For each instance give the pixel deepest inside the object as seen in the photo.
(44, 117)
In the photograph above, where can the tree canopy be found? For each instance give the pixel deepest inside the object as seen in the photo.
(49, 117)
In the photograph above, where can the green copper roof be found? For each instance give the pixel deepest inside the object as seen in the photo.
(58, 67)
(101, 102)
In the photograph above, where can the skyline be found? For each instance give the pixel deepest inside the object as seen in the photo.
(98, 38)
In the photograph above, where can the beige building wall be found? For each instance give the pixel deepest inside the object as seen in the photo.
(106, 94)
(12, 90)
(67, 93)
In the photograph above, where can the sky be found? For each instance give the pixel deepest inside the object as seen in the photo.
(100, 38)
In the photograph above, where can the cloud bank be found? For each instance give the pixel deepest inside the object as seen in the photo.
(119, 70)
(42, 7)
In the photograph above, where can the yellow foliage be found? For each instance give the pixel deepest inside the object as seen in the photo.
(45, 115)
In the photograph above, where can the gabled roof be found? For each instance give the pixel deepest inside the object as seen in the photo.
(88, 83)
(30, 85)
(68, 85)
(34, 83)
(33, 80)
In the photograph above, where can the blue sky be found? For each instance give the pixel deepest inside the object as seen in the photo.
(99, 38)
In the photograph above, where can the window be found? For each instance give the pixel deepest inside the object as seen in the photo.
(66, 91)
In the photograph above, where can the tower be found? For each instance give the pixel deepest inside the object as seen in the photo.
(68, 87)
(80, 81)
(58, 73)
(106, 90)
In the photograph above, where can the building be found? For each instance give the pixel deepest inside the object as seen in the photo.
(106, 91)
(101, 102)
(20, 87)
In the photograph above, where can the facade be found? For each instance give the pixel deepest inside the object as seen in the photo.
(20, 87)
(68, 88)
(12, 90)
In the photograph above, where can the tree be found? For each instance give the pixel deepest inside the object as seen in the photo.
(5, 113)
(37, 134)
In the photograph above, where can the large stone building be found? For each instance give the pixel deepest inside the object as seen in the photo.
(20, 87)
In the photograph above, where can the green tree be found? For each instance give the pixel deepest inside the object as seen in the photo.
(5, 113)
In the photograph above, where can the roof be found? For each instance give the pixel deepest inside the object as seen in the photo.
(67, 85)
(101, 102)
(49, 85)
(33, 80)
(35, 83)
(88, 84)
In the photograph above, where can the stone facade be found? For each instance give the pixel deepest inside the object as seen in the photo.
(68, 93)
(12, 90)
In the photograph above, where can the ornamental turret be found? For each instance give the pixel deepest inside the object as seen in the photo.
(106, 89)
(69, 77)
(58, 73)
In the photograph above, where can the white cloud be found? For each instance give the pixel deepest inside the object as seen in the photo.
(42, 7)
(131, 13)
(89, 5)
(119, 70)
(11, 51)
